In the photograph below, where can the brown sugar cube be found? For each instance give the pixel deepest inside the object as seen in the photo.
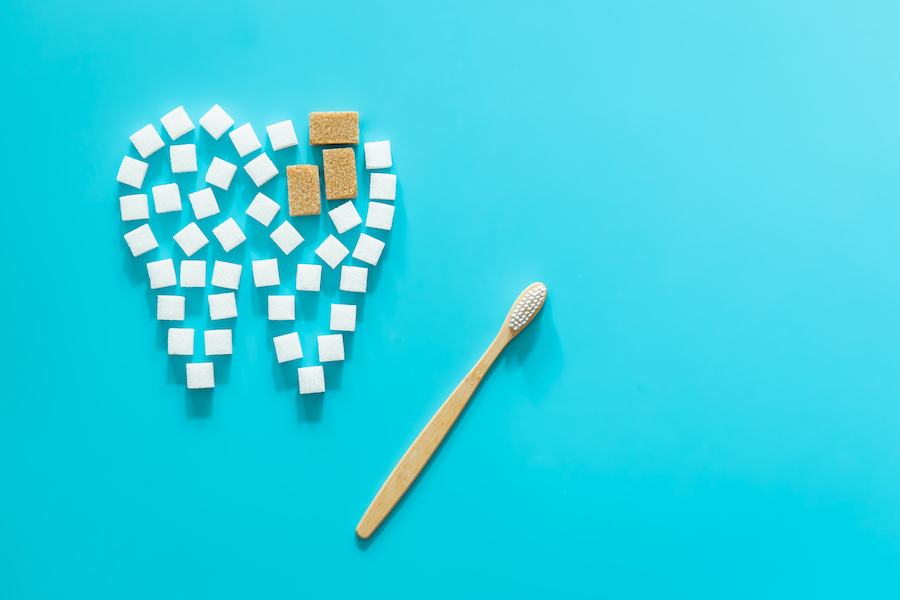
(340, 173)
(333, 128)
(304, 197)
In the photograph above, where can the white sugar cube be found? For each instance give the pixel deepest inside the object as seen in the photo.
(353, 279)
(344, 217)
(286, 237)
(140, 240)
(380, 216)
(191, 239)
(222, 306)
(229, 234)
(200, 376)
(261, 169)
(244, 140)
(309, 278)
(177, 123)
(147, 141)
(216, 122)
(343, 317)
(181, 341)
(193, 273)
(331, 347)
(162, 273)
(281, 308)
(226, 275)
(203, 203)
(220, 173)
(217, 342)
(282, 135)
(332, 251)
(132, 172)
(382, 186)
(134, 207)
(378, 155)
(368, 249)
(166, 198)
(287, 347)
(312, 380)
(263, 209)
(265, 272)
(183, 158)
(170, 308)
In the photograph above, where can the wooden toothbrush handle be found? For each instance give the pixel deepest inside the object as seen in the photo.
(428, 441)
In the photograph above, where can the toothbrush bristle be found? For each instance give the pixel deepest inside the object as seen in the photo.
(526, 306)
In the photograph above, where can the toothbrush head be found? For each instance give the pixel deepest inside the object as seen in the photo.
(526, 307)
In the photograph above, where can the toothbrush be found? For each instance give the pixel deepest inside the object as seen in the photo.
(527, 305)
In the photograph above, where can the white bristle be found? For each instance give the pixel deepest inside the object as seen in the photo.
(528, 304)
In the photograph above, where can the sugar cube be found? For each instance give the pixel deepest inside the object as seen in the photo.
(244, 140)
(181, 341)
(193, 273)
(162, 273)
(132, 172)
(309, 278)
(203, 203)
(265, 272)
(217, 342)
(222, 306)
(304, 194)
(147, 141)
(166, 198)
(382, 186)
(333, 128)
(191, 239)
(343, 317)
(200, 376)
(331, 347)
(287, 347)
(282, 135)
(140, 240)
(368, 249)
(263, 209)
(354, 279)
(134, 207)
(340, 173)
(378, 155)
(261, 169)
(312, 380)
(332, 251)
(220, 173)
(177, 123)
(380, 216)
(344, 217)
(229, 234)
(169, 308)
(216, 121)
(183, 158)
(286, 237)
(281, 308)
(226, 275)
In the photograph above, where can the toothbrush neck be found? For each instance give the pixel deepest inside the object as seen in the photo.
(487, 359)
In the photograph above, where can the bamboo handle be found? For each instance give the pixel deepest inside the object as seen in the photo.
(427, 442)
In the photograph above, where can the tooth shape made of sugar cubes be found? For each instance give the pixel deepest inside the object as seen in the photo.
(272, 235)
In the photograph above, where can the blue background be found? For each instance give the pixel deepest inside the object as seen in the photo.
(708, 406)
